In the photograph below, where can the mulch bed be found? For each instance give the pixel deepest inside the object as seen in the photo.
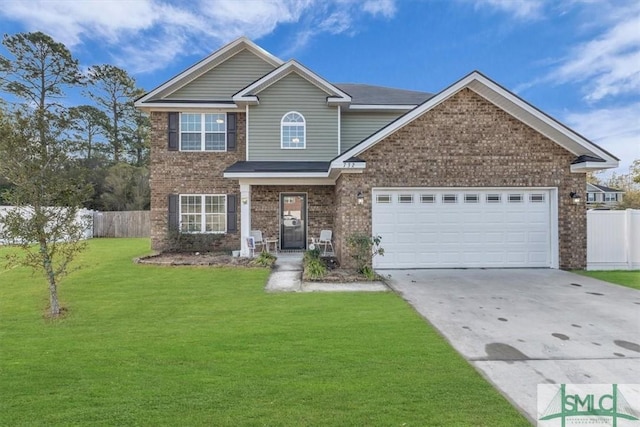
(212, 259)
(341, 275)
(221, 259)
(336, 274)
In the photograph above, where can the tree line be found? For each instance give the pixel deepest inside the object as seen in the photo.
(105, 140)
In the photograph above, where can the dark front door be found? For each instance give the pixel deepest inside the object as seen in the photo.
(293, 221)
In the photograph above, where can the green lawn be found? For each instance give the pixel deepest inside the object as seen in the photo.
(630, 279)
(146, 345)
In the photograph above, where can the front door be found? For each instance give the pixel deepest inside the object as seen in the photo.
(293, 221)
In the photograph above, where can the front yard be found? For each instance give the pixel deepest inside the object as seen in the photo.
(153, 345)
(630, 279)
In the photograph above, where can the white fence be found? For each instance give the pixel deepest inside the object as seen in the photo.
(613, 240)
(84, 215)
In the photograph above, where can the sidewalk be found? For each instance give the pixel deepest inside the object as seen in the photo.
(287, 277)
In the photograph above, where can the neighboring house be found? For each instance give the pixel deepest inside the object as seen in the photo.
(472, 176)
(599, 196)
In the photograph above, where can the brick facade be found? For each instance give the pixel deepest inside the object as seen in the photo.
(465, 142)
(265, 208)
(177, 172)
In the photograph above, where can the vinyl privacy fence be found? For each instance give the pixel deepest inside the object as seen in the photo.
(83, 215)
(613, 240)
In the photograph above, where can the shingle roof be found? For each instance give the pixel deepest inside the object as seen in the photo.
(607, 189)
(262, 166)
(584, 158)
(362, 94)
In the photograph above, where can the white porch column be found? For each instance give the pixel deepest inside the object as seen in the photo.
(245, 217)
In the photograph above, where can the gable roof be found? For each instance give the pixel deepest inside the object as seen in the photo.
(249, 93)
(363, 94)
(510, 103)
(205, 65)
(602, 188)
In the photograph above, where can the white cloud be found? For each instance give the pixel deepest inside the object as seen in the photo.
(522, 9)
(70, 21)
(609, 65)
(145, 35)
(606, 68)
(617, 130)
(386, 8)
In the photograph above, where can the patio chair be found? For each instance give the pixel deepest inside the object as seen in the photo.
(257, 238)
(325, 240)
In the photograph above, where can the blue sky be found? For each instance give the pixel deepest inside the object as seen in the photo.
(577, 60)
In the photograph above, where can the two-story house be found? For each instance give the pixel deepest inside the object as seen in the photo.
(472, 176)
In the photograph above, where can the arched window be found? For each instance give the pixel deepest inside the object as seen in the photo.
(293, 130)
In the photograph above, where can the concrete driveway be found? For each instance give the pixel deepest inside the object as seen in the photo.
(523, 327)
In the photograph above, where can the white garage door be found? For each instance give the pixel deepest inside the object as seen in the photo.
(452, 228)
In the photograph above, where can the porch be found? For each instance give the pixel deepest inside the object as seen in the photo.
(290, 214)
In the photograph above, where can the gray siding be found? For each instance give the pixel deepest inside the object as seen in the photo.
(357, 126)
(293, 93)
(225, 79)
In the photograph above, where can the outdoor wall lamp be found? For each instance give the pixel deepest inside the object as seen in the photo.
(575, 197)
(360, 198)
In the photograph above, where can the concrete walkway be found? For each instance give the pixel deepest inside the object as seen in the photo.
(524, 327)
(287, 277)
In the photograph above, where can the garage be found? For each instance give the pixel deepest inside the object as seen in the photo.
(465, 227)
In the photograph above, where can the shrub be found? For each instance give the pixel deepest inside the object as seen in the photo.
(363, 249)
(311, 254)
(265, 259)
(314, 269)
(185, 242)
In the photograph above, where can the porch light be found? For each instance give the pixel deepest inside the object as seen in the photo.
(575, 197)
(360, 198)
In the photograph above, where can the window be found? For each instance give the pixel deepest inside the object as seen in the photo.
(471, 198)
(203, 213)
(294, 131)
(203, 132)
(405, 198)
(591, 197)
(449, 198)
(383, 198)
(494, 198)
(536, 198)
(515, 198)
(610, 197)
(427, 198)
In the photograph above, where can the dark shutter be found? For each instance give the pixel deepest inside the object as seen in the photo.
(174, 212)
(173, 123)
(231, 131)
(232, 213)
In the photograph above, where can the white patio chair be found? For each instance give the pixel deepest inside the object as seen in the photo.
(325, 240)
(257, 238)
